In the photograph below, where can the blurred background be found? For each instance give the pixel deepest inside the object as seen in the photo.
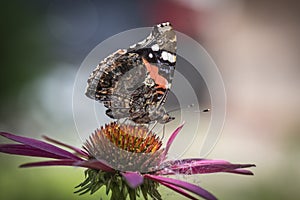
(255, 44)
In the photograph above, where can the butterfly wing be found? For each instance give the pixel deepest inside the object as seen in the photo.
(134, 83)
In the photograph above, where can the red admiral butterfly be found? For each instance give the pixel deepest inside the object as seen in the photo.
(133, 83)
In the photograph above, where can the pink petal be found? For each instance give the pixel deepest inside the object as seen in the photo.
(202, 166)
(66, 162)
(241, 171)
(91, 164)
(172, 137)
(94, 164)
(40, 145)
(25, 150)
(178, 190)
(184, 185)
(77, 150)
(133, 179)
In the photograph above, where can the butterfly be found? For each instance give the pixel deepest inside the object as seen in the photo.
(134, 83)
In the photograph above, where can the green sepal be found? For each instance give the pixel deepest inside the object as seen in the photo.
(116, 185)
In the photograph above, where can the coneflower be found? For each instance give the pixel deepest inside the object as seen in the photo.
(129, 160)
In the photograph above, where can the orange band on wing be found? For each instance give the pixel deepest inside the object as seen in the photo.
(153, 71)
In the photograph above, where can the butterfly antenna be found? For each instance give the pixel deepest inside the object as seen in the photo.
(204, 111)
(176, 109)
(189, 106)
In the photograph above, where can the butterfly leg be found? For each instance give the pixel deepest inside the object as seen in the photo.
(164, 130)
(152, 127)
(125, 120)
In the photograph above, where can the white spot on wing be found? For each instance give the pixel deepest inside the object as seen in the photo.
(155, 47)
(171, 58)
(164, 55)
(168, 56)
